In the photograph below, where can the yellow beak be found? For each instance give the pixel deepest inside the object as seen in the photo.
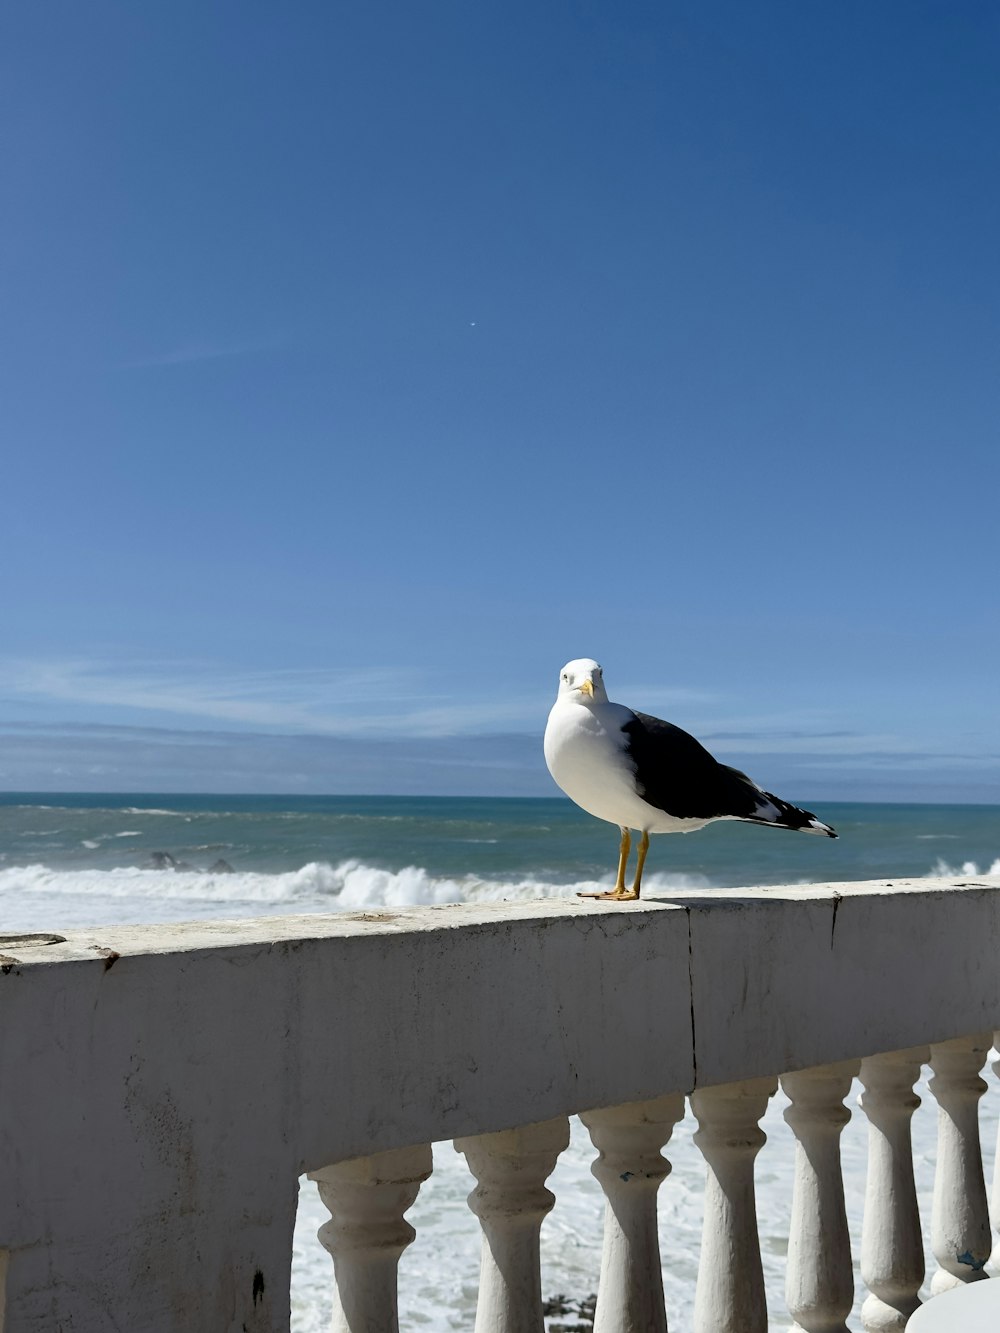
(587, 687)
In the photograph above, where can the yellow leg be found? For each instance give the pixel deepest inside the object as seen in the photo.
(624, 847)
(640, 862)
(620, 893)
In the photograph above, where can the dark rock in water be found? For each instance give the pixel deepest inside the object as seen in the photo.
(221, 868)
(162, 861)
(568, 1314)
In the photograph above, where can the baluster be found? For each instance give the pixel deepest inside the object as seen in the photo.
(367, 1233)
(729, 1297)
(630, 1169)
(960, 1226)
(819, 1286)
(511, 1201)
(892, 1248)
(995, 1194)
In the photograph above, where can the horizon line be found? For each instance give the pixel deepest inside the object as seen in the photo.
(410, 796)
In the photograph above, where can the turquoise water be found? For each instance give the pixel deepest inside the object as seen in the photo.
(92, 859)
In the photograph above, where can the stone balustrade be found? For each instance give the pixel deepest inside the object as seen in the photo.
(162, 1089)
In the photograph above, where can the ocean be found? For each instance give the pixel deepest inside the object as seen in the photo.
(80, 860)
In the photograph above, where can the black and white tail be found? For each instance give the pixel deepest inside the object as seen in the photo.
(773, 810)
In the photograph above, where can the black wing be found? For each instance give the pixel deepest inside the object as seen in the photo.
(676, 773)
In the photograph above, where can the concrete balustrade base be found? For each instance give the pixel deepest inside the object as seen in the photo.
(164, 1087)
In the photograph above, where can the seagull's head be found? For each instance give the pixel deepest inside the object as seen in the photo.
(582, 681)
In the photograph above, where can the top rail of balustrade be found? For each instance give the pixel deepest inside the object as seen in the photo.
(387, 1028)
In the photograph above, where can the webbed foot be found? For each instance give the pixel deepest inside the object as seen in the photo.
(614, 895)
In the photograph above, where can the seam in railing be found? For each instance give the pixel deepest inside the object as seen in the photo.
(694, 1044)
(838, 898)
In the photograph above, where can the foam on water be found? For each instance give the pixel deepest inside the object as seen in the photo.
(144, 810)
(346, 886)
(44, 897)
(944, 870)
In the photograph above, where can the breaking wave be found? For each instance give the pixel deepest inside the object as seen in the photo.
(942, 868)
(151, 810)
(347, 886)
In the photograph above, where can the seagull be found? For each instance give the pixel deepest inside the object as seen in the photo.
(647, 775)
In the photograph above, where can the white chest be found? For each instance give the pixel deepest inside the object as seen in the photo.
(585, 755)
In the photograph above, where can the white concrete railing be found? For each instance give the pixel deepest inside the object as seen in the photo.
(162, 1089)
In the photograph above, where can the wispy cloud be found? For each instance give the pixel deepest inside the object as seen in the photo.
(191, 352)
(190, 726)
(81, 756)
(93, 757)
(646, 697)
(379, 700)
(391, 702)
(780, 740)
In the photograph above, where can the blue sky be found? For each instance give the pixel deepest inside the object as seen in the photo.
(362, 364)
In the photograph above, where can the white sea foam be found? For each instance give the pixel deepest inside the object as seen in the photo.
(942, 868)
(347, 886)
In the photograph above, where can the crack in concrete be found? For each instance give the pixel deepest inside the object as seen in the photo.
(694, 1047)
(110, 957)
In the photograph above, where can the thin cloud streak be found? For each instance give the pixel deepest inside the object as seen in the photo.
(115, 758)
(379, 701)
(194, 352)
(645, 697)
(392, 703)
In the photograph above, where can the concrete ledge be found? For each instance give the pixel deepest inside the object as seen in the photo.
(164, 1087)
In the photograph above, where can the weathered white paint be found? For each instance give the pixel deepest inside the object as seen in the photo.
(892, 1249)
(511, 1202)
(217, 1062)
(729, 1297)
(186, 1075)
(820, 1281)
(367, 1233)
(960, 1225)
(995, 1193)
(631, 1169)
